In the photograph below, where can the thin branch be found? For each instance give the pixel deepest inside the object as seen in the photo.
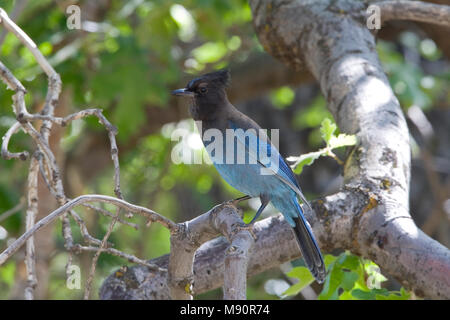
(32, 211)
(5, 215)
(106, 213)
(415, 11)
(83, 229)
(45, 162)
(11, 81)
(152, 267)
(18, 8)
(42, 139)
(152, 215)
(103, 244)
(45, 174)
(11, 155)
(26, 40)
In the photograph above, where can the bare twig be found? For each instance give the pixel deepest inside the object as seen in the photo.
(111, 215)
(83, 229)
(117, 253)
(10, 80)
(32, 211)
(152, 215)
(87, 288)
(26, 40)
(54, 89)
(10, 155)
(50, 170)
(45, 174)
(18, 8)
(5, 215)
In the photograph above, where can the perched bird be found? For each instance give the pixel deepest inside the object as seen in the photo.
(249, 172)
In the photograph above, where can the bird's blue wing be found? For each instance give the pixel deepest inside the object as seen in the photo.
(278, 167)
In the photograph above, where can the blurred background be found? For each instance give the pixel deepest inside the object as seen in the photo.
(126, 58)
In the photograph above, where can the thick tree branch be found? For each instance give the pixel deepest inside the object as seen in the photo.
(340, 52)
(275, 244)
(222, 219)
(414, 11)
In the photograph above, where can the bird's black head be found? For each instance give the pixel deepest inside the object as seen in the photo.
(208, 93)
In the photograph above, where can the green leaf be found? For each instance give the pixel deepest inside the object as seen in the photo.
(349, 261)
(363, 295)
(329, 259)
(346, 295)
(390, 296)
(327, 129)
(305, 160)
(332, 283)
(404, 294)
(374, 274)
(305, 279)
(348, 280)
(342, 140)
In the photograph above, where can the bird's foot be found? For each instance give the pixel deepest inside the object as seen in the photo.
(249, 228)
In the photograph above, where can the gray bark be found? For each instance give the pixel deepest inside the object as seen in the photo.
(190, 235)
(370, 216)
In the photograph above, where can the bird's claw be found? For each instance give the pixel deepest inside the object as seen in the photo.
(249, 228)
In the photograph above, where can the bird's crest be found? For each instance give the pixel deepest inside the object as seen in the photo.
(221, 78)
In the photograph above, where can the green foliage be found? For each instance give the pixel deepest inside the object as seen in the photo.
(349, 278)
(282, 97)
(410, 84)
(7, 274)
(333, 141)
(133, 58)
(312, 115)
(210, 52)
(304, 276)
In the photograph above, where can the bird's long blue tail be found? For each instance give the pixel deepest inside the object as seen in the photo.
(293, 213)
(308, 246)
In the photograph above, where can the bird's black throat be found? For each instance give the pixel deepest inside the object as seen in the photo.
(209, 107)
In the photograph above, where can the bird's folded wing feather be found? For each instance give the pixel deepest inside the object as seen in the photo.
(282, 171)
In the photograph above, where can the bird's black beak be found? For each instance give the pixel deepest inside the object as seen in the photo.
(183, 92)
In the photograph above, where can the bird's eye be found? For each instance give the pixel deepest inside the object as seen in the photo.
(203, 90)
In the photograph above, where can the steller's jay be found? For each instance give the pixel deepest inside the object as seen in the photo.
(212, 111)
